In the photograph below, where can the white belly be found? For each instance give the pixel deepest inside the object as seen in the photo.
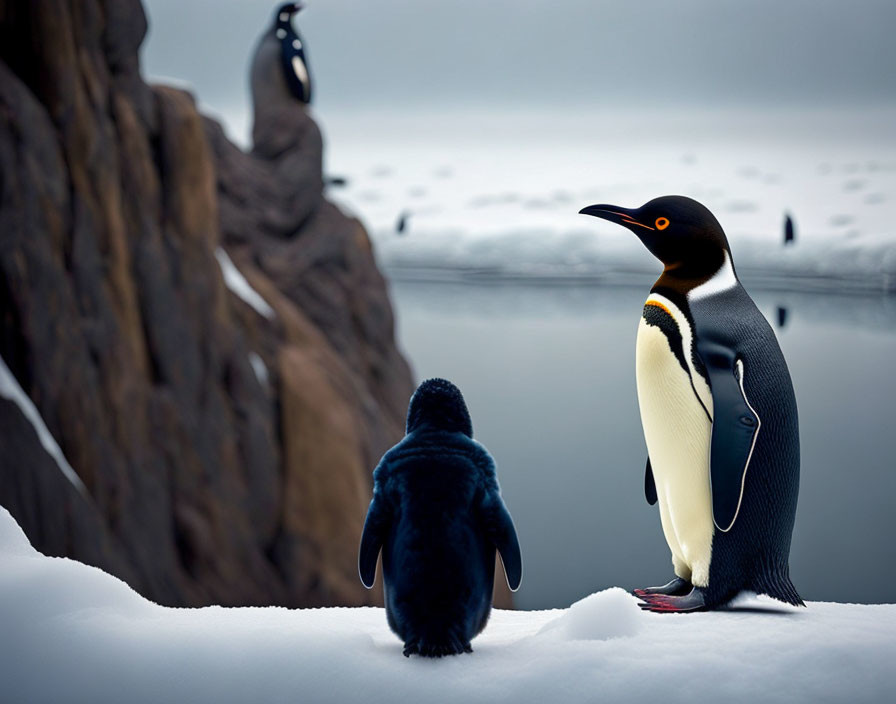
(677, 432)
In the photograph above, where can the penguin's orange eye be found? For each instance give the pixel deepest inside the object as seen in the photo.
(662, 223)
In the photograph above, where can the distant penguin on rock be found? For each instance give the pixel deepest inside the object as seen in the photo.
(280, 82)
(718, 412)
(438, 516)
(285, 136)
(283, 45)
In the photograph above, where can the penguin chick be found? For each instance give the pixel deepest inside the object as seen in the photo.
(438, 516)
(718, 412)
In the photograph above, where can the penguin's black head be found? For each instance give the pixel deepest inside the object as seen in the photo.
(284, 13)
(438, 404)
(678, 231)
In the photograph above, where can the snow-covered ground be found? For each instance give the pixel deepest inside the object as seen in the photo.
(71, 633)
(496, 194)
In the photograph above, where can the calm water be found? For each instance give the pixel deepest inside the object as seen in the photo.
(549, 377)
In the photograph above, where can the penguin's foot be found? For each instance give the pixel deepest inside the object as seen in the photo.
(677, 587)
(665, 604)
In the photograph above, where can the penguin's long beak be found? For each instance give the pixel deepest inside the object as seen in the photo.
(613, 213)
(296, 6)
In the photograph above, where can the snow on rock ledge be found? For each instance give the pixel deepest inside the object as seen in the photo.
(237, 283)
(9, 388)
(74, 633)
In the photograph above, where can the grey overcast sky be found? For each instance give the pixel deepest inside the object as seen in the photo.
(543, 53)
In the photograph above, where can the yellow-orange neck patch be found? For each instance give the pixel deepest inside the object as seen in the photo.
(652, 302)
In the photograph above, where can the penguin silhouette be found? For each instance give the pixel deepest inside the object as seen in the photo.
(718, 412)
(279, 76)
(438, 516)
(285, 139)
(282, 43)
(782, 312)
(401, 224)
(789, 230)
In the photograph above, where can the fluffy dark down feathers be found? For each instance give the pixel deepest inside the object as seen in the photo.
(438, 516)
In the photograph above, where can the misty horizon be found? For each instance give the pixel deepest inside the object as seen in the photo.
(541, 55)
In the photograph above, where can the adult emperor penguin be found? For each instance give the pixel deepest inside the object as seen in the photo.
(718, 413)
(438, 515)
(283, 44)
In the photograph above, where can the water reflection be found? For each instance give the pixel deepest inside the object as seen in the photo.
(549, 376)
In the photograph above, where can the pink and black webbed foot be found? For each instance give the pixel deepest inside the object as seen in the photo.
(677, 587)
(672, 604)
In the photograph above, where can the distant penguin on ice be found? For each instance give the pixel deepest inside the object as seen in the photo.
(438, 516)
(782, 313)
(402, 223)
(718, 412)
(789, 230)
(281, 44)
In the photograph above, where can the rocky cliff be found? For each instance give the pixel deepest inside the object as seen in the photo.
(204, 335)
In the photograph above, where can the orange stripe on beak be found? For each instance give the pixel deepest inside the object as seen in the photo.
(629, 220)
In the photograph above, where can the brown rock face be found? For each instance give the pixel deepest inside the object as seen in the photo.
(226, 453)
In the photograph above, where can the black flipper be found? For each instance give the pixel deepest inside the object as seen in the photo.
(649, 484)
(498, 526)
(375, 529)
(734, 430)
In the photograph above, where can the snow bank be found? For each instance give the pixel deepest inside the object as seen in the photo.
(73, 633)
(612, 613)
(497, 195)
